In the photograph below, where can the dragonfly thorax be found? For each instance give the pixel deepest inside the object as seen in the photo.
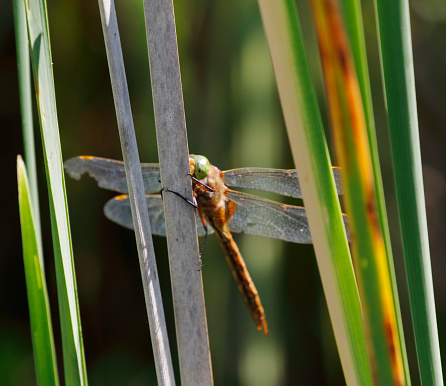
(214, 198)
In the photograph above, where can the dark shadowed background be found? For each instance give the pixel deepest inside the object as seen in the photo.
(234, 118)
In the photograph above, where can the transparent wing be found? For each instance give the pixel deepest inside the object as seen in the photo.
(110, 174)
(261, 217)
(118, 210)
(281, 181)
(258, 216)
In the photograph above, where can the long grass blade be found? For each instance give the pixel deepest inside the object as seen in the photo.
(26, 110)
(187, 286)
(399, 82)
(312, 161)
(353, 151)
(72, 344)
(39, 308)
(355, 30)
(140, 214)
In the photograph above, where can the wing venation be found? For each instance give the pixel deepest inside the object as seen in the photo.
(110, 174)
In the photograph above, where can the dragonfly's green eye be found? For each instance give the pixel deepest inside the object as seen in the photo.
(201, 166)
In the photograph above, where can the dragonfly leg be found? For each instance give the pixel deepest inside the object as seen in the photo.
(180, 195)
(202, 246)
(208, 188)
(193, 203)
(205, 227)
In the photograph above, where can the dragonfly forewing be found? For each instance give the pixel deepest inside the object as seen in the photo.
(118, 210)
(280, 181)
(110, 174)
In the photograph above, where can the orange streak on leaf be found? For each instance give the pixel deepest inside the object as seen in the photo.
(353, 151)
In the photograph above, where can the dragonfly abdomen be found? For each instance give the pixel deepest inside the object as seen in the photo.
(242, 277)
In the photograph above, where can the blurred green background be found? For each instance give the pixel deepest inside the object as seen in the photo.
(233, 117)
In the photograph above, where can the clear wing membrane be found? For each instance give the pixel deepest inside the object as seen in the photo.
(118, 210)
(281, 181)
(110, 174)
(266, 218)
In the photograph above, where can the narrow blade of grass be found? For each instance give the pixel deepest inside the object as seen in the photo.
(355, 29)
(353, 151)
(39, 308)
(312, 161)
(72, 344)
(140, 214)
(399, 83)
(26, 110)
(187, 286)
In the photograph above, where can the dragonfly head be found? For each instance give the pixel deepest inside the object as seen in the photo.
(199, 166)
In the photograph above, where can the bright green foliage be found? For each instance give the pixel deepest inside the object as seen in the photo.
(39, 308)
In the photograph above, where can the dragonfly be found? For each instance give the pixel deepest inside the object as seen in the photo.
(223, 209)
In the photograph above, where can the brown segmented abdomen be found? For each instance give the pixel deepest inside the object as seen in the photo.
(243, 279)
